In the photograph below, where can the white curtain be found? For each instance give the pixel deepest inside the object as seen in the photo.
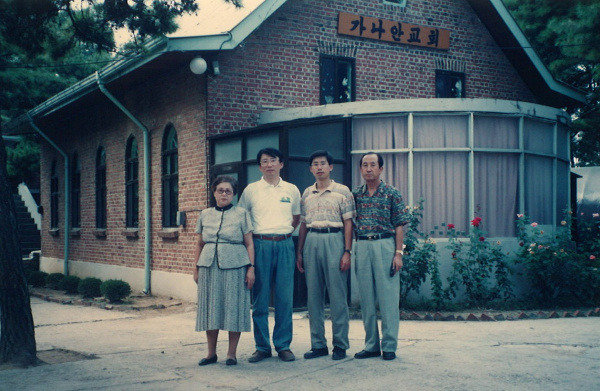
(496, 132)
(441, 180)
(496, 192)
(379, 133)
(538, 189)
(539, 136)
(444, 131)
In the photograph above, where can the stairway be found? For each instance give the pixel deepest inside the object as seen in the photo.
(28, 231)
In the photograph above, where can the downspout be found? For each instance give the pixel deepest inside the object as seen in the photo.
(147, 217)
(67, 195)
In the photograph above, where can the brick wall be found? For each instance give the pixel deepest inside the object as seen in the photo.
(176, 98)
(278, 65)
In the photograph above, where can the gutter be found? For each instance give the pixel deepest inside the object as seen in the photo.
(67, 195)
(147, 216)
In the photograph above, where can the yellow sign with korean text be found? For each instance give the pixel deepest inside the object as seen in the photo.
(392, 31)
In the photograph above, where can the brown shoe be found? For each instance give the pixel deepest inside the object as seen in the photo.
(286, 355)
(259, 355)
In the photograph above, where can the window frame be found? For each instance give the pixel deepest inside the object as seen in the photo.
(132, 199)
(101, 201)
(54, 195)
(444, 73)
(336, 60)
(75, 191)
(170, 180)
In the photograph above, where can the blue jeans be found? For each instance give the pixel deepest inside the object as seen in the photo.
(275, 264)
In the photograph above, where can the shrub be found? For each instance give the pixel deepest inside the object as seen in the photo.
(36, 278)
(70, 283)
(559, 272)
(90, 287)
(115, 290)
(53, 280)
(419, 260)
(476, 264)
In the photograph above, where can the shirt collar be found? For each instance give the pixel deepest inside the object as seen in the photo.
(267, 184)
(365, 190)
(329, 188)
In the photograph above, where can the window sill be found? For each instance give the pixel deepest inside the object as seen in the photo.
(169, 233)
(75, 232)
(130, 233)
(54, 231)
(100, 233)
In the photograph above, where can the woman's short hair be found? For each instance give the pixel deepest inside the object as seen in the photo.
(225, 178)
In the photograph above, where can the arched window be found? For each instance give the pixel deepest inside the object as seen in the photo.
(131, 184)
(170, 178)
(75, 192)
(53, 196)
(101, 188)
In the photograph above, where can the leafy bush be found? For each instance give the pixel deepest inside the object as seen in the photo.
(115, 290)
(53, 280)
(90, 287)
(560, 273)
(420, 260)
(69, 284)
(36, 278)
(479, 267)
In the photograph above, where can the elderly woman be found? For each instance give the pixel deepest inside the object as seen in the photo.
(224, 270)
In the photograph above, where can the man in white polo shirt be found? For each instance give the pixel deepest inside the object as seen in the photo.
(274, 206)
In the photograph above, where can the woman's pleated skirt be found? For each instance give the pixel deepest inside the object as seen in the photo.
(223, 299)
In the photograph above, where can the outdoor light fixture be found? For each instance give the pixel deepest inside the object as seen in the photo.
(215, 66)
(198, 65)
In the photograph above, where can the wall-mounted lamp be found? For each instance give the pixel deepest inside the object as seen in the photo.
(198, 65)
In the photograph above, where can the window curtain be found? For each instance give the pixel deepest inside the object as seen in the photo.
(377, 134)
(440, 179)
(444, 131)
(538, 189)
(496, 192)
(496, 132)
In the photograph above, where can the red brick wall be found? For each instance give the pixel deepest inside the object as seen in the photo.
(278, 65)
(176, 98)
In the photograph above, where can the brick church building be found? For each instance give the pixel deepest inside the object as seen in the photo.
(449, 91)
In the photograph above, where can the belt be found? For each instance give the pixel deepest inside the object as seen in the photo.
(274, 238)
(328, 230)
(374, 236)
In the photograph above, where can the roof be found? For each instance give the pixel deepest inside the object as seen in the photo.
(507, 34)
(220, 26)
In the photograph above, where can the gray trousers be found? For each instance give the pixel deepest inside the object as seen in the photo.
(322, 253)
(372, 265)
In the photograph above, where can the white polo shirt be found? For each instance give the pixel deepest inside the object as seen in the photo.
(271, 207)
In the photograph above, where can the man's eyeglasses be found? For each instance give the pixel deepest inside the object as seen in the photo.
(224, 191)
(265, 162)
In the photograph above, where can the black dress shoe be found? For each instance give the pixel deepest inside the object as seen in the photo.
(286, 355)
(206, 361)
(259, 355)
(338, 353)
(231, 361)
(389, 355)
(314, 353)
(365, 354)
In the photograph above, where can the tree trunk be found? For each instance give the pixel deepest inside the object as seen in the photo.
(17, 336)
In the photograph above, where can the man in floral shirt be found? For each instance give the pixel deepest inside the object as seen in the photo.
(380, 218)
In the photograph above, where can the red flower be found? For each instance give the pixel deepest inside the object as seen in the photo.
(481, 238)
(453, 254)
(521, 244)
(476, 221)
(450, 226)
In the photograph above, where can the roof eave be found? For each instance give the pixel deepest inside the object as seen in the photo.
(485, 9)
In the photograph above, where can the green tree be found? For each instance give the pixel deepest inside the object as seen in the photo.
(31, 31)
(565, 34)
(23, 161)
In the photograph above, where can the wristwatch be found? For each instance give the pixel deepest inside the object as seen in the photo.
(401, 252)
(348, 251)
